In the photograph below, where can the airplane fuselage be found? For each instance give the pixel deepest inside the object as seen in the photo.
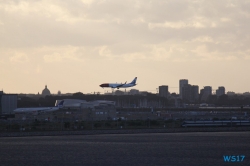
(41, 109)
(113, 85)
(121, 85)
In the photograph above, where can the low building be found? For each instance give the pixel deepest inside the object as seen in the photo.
(246, 94)
(134, 92)
(229, 93)
(74, 110)
(119, 92)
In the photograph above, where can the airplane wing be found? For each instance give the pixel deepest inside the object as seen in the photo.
(49, 109)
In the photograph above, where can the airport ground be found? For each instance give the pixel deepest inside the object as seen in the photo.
(171, 149)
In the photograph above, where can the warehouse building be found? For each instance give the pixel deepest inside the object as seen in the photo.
(8, 103)
(74, 110)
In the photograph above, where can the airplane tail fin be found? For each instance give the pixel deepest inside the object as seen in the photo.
(60, 104)
(134, 81)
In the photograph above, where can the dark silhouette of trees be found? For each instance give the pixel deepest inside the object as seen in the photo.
(131, 100)
(211, 99)
(222, 100)
(123, 100)
(78, 94)
(27, 102)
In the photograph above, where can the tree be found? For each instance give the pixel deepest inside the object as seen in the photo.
(78, 94)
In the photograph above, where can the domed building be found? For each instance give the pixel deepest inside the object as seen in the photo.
(46, 91)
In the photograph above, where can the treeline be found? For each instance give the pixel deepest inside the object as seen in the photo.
(122, 101)
(225, 100)
(150, 100)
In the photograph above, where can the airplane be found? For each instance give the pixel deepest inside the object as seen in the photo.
(39, 109)
(121, 85)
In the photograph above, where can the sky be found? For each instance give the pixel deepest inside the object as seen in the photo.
(74, 46)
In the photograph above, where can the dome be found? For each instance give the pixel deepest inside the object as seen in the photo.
(46, 91)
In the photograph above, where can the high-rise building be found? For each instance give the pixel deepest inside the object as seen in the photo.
(201, 92)
(186, 92)
(205, 93)
(220, 91)
(163, 91)
(182, 82)
(195, 92)
(190, 93)
(208, 90)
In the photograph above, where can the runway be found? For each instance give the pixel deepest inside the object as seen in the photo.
(203, 148)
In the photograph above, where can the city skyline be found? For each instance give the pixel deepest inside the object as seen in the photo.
(76, 46)
(127, 90)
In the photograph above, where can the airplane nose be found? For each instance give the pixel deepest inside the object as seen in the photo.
(104, 85)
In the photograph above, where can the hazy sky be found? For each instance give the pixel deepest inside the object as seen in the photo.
(76, 45)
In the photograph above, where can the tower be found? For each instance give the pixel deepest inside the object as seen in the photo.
(182, 82)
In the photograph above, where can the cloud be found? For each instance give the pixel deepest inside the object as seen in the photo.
(67, 54)
(131, 30)
(134, 57)
(203, 39)
(57, 23)
(19, 58)
(224, 19)
(46, 35)
(106, 53)
(181, 24)
(88, 2)
(44, 8)
(38, 69)
(56, 57)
